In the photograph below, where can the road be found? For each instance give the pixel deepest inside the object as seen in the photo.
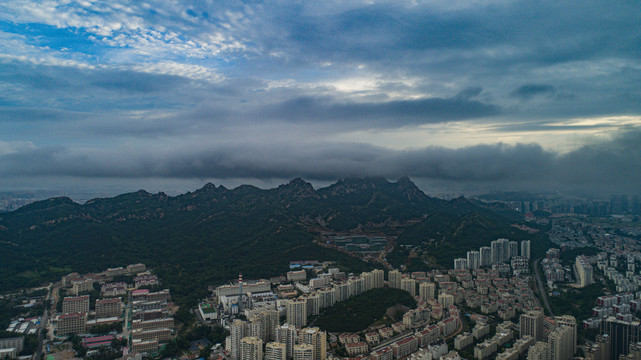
(42, 329)
(539, 282)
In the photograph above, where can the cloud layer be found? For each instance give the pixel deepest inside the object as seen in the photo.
(614, 164)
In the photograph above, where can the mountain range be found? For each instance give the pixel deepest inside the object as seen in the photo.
(210, 235)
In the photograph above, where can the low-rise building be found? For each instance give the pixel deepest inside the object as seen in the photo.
(386, 332)
(385, 353)
(372, 337)
(398, 327)
(134, 269)
(484, 349)
(144, 346)
(165, 323)
(348, 338)
(404, 346)
(161, 335)
(480, 330)
(98, 341)
(463, 340)
(11, 347)
(299, 275)
(144, 280)
(356, 348)
(113, 289)
(81, 286)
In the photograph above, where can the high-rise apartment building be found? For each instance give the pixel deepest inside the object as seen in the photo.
(368, 281)
(445, 300)
(297, 312)
(108, 308)
(584, 270)
(326, 297)
(409, 285)
(460, 264)
(268, 321)
(426, 290)
(303, 352)
(356, 285)
(531, 324)
(525, 248)
(318, 340)
(486, 256)
(75, 304)
(342, 291)
(72, 323)
(538, 351)
(378, 278)
(275, 351)
(568, 321)
(513, 250)
(237, 331)
(288, 335)
(560, 344)
(251, 348)
(473, 260)
(621, 333)
(394, 279)
(500, 250)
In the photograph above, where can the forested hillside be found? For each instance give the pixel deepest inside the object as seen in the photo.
(208, 236)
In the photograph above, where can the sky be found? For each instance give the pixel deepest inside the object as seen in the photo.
(112, 96)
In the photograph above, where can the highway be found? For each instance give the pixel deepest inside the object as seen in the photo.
(539, 283)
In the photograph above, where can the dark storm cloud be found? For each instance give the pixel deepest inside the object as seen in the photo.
(539, 32)
(559, 53)
(396, 113)
(528, 91)
(607, 165)
(111, 103)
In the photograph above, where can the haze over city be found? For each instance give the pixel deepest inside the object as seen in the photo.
(114, 96)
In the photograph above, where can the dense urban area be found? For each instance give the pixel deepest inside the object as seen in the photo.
(577, 299)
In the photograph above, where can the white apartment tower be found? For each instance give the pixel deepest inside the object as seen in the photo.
(486, 256)
(560, 344)
(513, 250)
(251, 348)
(394, 279)
(317, 339)
(378, 278)
(275, 351)
(426, 290)
(237, 331)
(303, 352)
(570, 322)
(525, 248)
(473, 260)
(409, 285)
(288, 335)
(297, 312)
